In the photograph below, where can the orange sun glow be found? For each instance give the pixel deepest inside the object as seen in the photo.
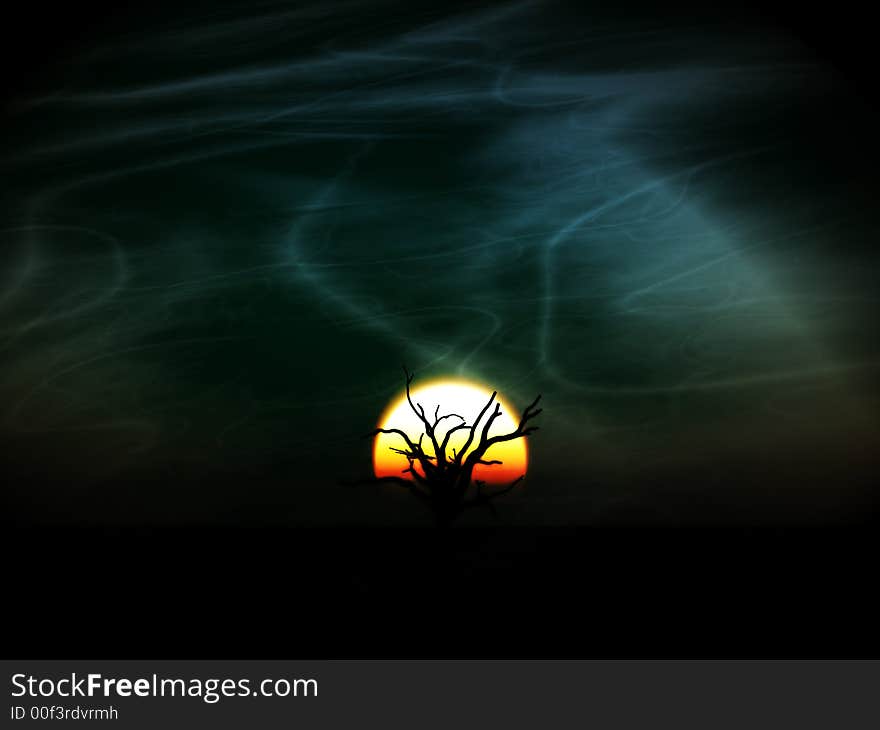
(461, 397)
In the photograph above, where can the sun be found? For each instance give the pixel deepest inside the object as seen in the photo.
(466, 399)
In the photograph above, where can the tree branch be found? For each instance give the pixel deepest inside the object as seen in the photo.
(489, 421)
(420, 412)
(482, 498)
(448, 415)
(377, 431)
(521, 430)
(415, 449)
(448, 435)
(470, 438)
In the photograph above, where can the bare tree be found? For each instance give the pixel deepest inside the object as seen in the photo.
(445, 483)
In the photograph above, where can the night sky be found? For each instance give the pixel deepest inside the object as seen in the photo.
(224, 230)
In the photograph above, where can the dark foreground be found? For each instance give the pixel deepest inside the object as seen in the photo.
(418, 593)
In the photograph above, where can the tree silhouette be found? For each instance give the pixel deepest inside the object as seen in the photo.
(446, 484)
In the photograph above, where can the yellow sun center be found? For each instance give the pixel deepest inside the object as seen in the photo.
(462, 398)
